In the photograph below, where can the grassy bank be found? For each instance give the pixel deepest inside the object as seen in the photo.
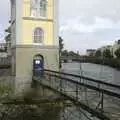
(113, 62)
(5, 87)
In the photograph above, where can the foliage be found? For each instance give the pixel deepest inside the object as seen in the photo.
(5, 89)
(64, 53)
(61, 45)
(117, 53)
(107, 54)
(113, 62)
(69, 53)
(98, 53)
(91, 54)
(8, 30)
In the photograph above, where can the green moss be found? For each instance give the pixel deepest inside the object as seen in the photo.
(5, 89)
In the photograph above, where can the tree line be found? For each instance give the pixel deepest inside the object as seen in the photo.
(107, 58)
(104, 57)
(107, 53)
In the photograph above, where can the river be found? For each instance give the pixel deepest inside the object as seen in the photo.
(95, 71)
(98, 72)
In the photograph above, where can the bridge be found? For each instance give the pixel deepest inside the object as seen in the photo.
(75, 58)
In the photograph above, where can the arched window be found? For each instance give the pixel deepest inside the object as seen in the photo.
(38, 35)
(38, 8)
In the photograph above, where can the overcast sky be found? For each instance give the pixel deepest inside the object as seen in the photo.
(84, 24)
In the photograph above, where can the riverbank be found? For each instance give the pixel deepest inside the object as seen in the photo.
(113, 62)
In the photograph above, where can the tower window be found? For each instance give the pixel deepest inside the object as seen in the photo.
(38, 8)
(43, 8)
(38, 35)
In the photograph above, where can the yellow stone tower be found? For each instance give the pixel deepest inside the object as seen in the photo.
(34, 31)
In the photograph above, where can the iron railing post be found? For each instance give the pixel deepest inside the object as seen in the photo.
(102, 102)
(61, 85)
(77, 93)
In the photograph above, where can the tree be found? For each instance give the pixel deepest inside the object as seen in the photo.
(117, 53)
(64, 53)
(107, 53)
(61, 45)
(91, 54)
(98, 53)
(8, 38)
(71, 53)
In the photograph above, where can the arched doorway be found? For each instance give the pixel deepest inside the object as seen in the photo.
(38, 65)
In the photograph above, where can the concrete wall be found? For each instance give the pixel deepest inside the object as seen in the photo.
(23, 66)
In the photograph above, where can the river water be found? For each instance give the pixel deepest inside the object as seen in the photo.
(95, 71)
(99, 72)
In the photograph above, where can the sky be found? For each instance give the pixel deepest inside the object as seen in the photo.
(83, 24)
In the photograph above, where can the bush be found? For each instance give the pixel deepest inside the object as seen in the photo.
(113, 62)
(5, 89)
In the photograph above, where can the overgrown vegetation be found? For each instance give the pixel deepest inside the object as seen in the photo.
(106, 57)
(117, 53)
(5, 89)
(113, 62)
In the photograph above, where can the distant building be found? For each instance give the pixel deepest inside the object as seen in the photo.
(90, 52)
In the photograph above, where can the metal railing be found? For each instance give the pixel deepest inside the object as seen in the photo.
(100, 98)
